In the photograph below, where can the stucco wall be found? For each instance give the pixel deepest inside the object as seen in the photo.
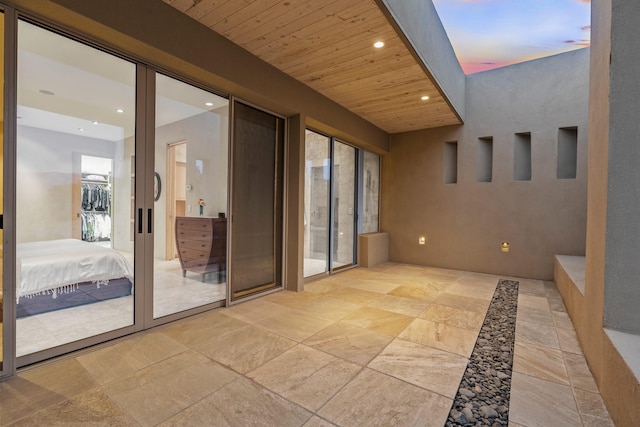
(465, 222)
(613, 121)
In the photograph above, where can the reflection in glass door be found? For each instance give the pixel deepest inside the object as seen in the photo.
(370, 193)
(190, 208)
(257, 174)
(317, 175)
(75, 143)
(344, 210)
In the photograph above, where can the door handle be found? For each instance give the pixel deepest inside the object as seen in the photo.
(149, 218)
(139, 220)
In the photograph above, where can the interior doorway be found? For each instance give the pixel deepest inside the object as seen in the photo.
(176, 192)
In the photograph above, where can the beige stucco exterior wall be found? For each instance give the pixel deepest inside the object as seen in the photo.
(616, 380)
(466, 222)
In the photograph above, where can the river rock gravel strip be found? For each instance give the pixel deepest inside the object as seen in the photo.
(483, 396)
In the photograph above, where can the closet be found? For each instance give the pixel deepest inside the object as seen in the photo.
(96, 207)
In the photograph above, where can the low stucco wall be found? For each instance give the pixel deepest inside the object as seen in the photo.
(373, 249)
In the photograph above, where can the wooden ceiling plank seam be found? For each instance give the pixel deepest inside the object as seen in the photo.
(294, 29)
(388, 102)
(407, 110)
(244, 15)
(226, 9)
(268, 19)
(380, 80)
(203, 8)
(281, 21)
(335, 76)
(344, 38)
(181, 5)
(346, 41)
(218, 14)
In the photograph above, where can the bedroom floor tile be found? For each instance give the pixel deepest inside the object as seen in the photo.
(350, 352)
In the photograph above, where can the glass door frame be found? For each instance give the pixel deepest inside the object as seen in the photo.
(10, 107)
(11, 98)
(148, 207)
(356, 207)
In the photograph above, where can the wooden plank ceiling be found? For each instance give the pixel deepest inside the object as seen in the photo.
(328, 45)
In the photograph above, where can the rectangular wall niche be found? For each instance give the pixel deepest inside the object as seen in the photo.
(522, 157)
(451, 162)
(567, 152)
(484, 163)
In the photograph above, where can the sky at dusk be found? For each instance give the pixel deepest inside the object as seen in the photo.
(488, 34)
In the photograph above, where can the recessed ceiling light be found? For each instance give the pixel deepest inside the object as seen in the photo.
(81, 129)
(424, 98)
(119, 110)
(46, 92)
(209, 104)
(95, 122)
(378, 45)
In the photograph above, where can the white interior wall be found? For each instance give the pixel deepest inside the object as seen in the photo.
(207, 141)
(45, 166)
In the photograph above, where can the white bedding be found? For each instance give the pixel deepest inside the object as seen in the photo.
(55, 264)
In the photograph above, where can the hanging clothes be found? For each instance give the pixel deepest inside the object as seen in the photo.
(96, 211)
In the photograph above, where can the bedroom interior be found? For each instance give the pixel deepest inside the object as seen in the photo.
(76, 171)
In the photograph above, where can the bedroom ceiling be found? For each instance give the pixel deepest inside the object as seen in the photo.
(328, 45)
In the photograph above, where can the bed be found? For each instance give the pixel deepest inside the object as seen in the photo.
(57, 274)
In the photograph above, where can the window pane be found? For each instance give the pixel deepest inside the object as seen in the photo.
(344, 190)
(371, 192)
(317, 176)
(257, 201)
(190, 233)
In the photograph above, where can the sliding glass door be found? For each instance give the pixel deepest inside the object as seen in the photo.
(343, 206)
(340, 183)
(190, 200)
(74, 172)
(256, 209)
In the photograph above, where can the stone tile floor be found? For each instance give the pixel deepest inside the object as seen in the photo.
(380, 346)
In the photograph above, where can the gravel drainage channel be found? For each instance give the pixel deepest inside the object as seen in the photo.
(483, 396)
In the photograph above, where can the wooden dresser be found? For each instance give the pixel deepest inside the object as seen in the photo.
(202, 244)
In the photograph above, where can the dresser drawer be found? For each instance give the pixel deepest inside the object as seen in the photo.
(199, 235)
(198, 245)
(202, 224)
(194, 254)
(196, 265)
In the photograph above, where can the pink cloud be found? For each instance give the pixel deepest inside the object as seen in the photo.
(470, 67)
